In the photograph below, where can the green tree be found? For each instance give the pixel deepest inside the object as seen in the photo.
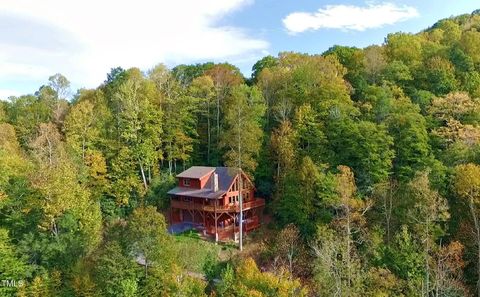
(406, 259)
(429, 211)
(179, 118)
(439, 76)
(404, 47)
(263, 63)
(283, 142)
(12, 266)
(225, 77)
(115, 272)
(140, 120)
(203, 90)
(470, 44)
(318, 192)
(80, 128)
(410, 138)
(240, 139)
(148, 239)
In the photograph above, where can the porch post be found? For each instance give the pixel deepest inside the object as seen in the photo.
(216, 227)
(234, 216)
(204, 214)
(171, 209)
(246, 219)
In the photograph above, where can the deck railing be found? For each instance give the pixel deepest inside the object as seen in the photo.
(257, 202)
(248, 224)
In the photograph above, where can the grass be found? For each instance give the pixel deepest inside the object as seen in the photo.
(195, 251)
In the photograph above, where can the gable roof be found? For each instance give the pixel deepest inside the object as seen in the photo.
(196, 172)
(226, 176)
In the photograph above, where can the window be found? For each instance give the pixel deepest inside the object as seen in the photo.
(186, 182)
(233, 199)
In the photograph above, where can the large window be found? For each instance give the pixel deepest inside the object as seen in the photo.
(186, 182)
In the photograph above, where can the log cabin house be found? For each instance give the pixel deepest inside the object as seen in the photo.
(208, 198)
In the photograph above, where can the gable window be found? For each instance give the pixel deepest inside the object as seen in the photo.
(186, 182)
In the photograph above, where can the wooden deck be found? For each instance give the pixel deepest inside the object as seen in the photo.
(228, 231)
(257, 202)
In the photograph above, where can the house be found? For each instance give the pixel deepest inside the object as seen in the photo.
(208, 197)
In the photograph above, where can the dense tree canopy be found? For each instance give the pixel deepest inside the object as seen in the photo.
(369, 160)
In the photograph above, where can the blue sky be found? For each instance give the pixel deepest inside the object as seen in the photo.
(84, 39)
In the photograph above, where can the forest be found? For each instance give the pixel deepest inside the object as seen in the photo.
(368, 158)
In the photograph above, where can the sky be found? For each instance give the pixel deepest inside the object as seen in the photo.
(84, 39)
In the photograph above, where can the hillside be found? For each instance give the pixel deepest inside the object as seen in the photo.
(369, 159)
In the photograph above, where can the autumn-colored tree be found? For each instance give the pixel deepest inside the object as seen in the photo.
(248, 280)
(466, 185)
(448, 267)
(224, 76)
(429, 211)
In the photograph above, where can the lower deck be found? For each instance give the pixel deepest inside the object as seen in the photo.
(221, 225)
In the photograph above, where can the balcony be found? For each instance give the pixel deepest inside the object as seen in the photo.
(257, 202)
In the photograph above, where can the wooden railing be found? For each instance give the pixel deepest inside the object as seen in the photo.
(257, 202)
(248, 225)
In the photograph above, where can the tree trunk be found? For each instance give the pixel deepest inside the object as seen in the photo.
(209, 132)
(427, 255)
(349, 277)
(55, 229)
(477, 239)
(218, 122)
(388, 211)
(146, 268)
(50, 152)
(83, 149)
(240, 177)
(143, 175)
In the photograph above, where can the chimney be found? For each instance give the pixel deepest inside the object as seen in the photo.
(215, 182)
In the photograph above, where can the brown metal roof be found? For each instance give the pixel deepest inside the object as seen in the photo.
(226, 175)
(196, 172)
(198, 193)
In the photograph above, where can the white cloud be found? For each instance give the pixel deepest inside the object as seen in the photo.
(5, 93)
(109, 33)
(349, 17)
